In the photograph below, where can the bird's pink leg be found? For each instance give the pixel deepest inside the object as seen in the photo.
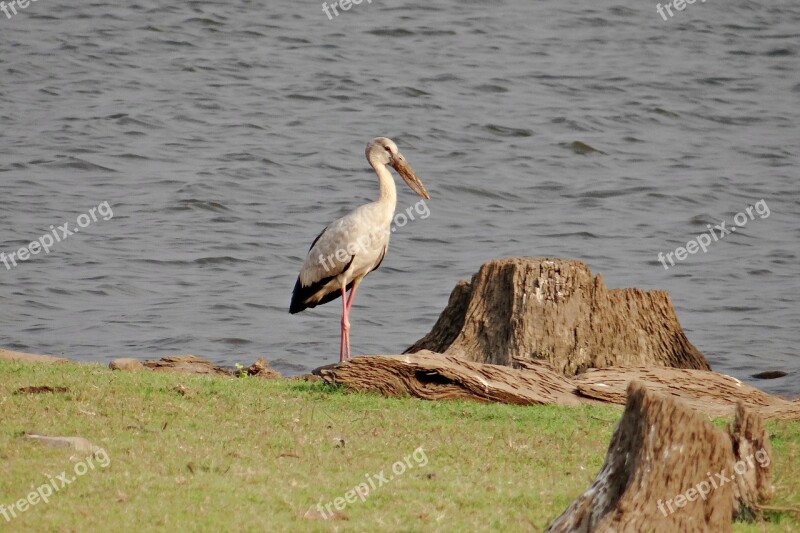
(345, 340)
(349, 305)
(352, 297)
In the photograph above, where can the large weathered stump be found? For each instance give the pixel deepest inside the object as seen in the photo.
(554, 309)
(669, 469)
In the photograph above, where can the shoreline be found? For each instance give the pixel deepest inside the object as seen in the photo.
(524, 382)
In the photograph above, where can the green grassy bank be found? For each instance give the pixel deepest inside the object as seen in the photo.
(194, 453)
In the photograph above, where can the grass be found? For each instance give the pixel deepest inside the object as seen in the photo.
(203, 453)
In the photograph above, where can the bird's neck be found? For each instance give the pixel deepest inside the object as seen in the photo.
(386, 182)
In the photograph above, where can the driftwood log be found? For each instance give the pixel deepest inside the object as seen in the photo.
(556, 310)
(708, 392)
(431, 376)
(668, 469)
(440, 377)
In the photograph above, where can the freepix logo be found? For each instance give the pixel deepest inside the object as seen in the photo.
(679, 5)
(363, 490)
(54, 484)
(13, 5)
(704, 488)
(344, 5)
(717, 232)
(57, 234)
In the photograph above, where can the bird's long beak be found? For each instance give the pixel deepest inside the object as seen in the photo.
(407, 173)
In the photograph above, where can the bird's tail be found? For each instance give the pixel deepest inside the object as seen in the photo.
(308, 297)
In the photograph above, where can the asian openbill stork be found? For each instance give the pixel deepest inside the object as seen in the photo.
(354, 245)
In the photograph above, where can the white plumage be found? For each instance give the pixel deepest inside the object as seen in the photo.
(365, 247)
(354, 245)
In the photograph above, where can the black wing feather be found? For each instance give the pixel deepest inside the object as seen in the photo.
(317, 238)
(301, 294)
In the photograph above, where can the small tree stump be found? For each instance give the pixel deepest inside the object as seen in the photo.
(554, 309)
(667, 469)
(751, 448)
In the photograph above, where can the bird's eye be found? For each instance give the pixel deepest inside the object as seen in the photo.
(387, 149)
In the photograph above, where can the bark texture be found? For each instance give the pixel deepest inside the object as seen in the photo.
(555, 310)
(750, 448)
(660, 472)
(709, 392)
(436, 377)
(432, 376)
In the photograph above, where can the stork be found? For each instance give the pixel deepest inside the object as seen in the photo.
(354, 245)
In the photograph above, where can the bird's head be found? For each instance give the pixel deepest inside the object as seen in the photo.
(383, 151)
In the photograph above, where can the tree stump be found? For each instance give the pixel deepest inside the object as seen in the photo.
(750, 445)
(667, 469)
(554, 309)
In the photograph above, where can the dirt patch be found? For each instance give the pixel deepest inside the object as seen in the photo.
(42, 389)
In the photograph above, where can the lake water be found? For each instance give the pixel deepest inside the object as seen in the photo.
(225, 136)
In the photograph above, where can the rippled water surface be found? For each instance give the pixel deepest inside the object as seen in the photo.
(225, 136)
